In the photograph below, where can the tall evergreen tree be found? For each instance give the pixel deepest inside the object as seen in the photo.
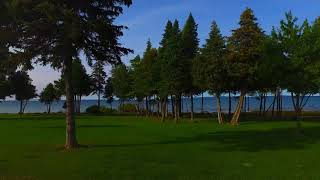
(108, 92)
(98, 77)
(209, 67)
(57, 32)
(245, 51)
(162, 66)
(148, 62)
(121, 82)
(176, 67)
(189, 50)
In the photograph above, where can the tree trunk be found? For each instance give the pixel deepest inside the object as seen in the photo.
(220, 118)
(229, 114)
(202, 102)
(99, 99)
(248, 103)
(147, 106)
(191, 110)
(71, 140)
(260, 109)
(172, 106)
(21, 104)
(163, 109)
(80, 100)
(177, 110)
(49, 108)
(180, 105)
(24, 106)
(236, 115)
(264, 104)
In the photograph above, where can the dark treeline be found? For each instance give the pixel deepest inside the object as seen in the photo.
(249, 62)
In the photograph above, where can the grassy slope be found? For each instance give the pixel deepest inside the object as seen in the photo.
(133, 148)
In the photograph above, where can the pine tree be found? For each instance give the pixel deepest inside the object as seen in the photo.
(162, 66)
(209, 66)
(57, 32)
(98, 77)
(245, 50)
(189, 50)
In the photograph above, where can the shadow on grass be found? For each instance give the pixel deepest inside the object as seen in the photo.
(248, 141)
(87, 126)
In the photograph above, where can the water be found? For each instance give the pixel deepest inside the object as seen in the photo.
(209, 105)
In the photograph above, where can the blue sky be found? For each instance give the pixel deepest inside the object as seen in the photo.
(147, 18)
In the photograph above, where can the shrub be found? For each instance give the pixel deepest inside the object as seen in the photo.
(95, 110)
(129, 108)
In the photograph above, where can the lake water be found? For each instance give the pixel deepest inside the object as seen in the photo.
(209, 105)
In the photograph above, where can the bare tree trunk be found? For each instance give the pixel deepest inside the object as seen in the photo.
(260, 109)
(264, 104)
(248, 103)
(220, 118)
(49, 108)
(229, 114)
(236, 115)
(163, 110)
(99, 99)
(21, 104)
(172, 105)
(177, 110)
(71, 140)
(202, 102)
(80, 100)
(192, 113)
(180, 105)
(274, 103)
(24, 106)
(147, 106)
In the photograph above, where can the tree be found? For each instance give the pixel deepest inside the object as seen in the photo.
(139, 85)
(175, 67)
(245, 51)
(49, 95)
(7, 36)
(58, 32)
(98, 77)
(162, 66)
(121, 82)
(210, 68)
(81, 83)
(21, 86)
(108, 91)
(300, 52)
(147, 70)
(189, 48)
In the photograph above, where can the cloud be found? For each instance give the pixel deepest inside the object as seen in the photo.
(152, 14)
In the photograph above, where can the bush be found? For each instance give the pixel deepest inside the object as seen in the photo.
(106, 110)
(95, 110)
(128, 108)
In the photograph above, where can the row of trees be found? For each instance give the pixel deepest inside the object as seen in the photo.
(83, 85)
(249, 62)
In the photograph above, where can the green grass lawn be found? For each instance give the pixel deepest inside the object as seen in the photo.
(139, 148)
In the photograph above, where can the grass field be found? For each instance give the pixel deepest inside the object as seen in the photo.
(123, 147)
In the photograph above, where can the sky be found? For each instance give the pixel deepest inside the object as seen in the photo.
(147, 18)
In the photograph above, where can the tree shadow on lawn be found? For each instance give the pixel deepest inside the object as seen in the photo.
(248, 141)
(87, 126)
